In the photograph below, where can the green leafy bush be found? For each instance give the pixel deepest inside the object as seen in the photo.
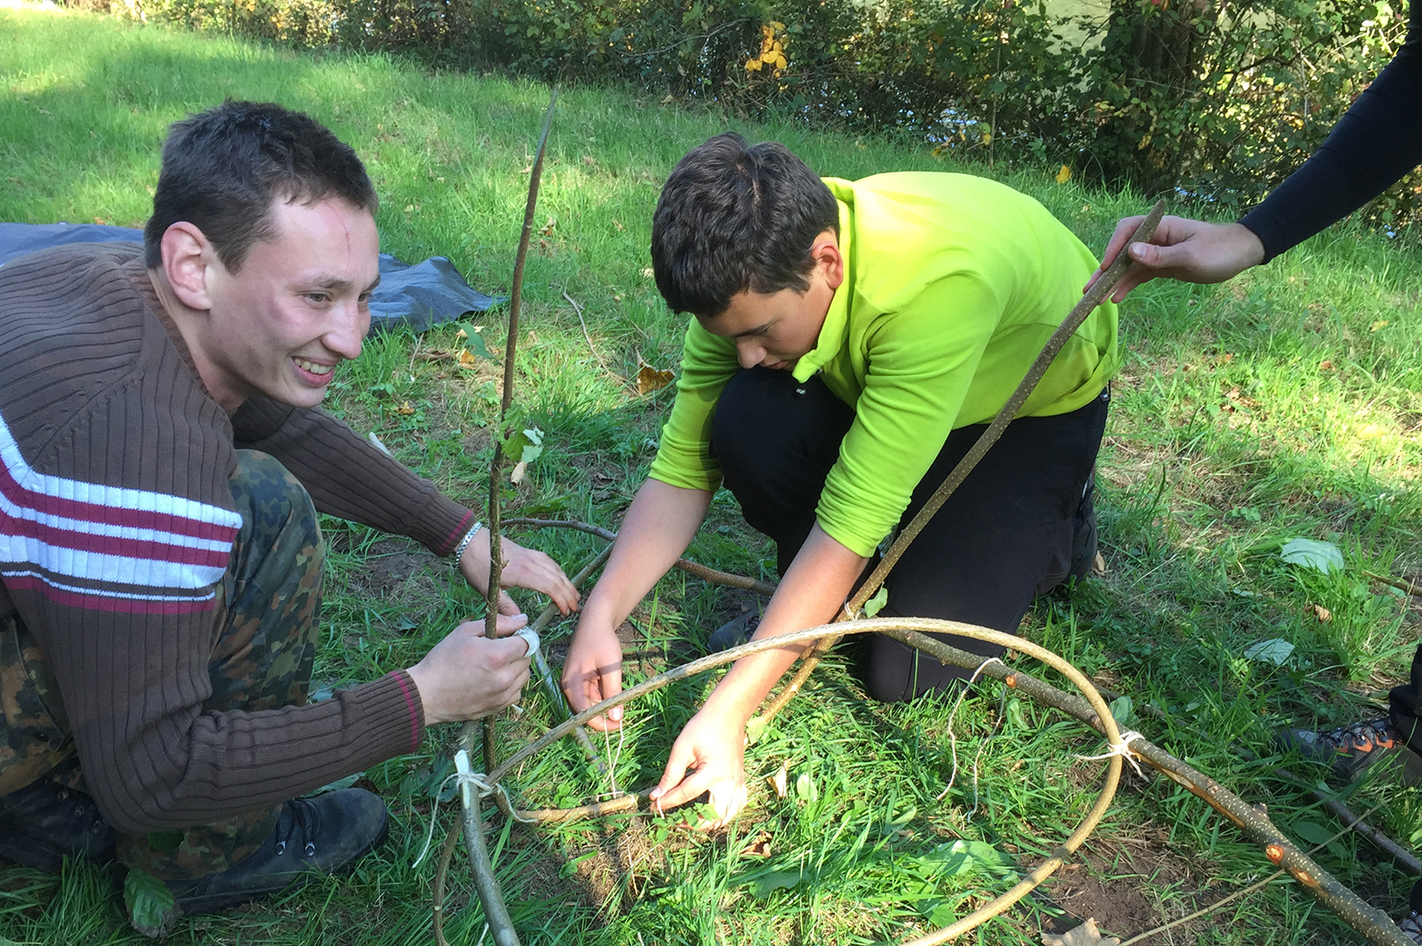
(1207, 100)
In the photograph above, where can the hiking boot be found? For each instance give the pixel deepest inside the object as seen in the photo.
(44, 822)
(1412, 927)
(1349, 750)
(733, 633)
(313, 836)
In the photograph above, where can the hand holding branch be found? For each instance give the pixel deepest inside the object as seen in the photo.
(466, 675)
(523, 568)
(1183, 249)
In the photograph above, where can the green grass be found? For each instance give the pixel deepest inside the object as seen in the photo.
(1285, 404)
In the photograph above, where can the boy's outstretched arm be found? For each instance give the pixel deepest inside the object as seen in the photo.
(658, 527)
(712, 744)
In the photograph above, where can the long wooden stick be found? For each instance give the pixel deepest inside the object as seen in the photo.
(489, 893)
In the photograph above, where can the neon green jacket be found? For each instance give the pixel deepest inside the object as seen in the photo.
(952, 285)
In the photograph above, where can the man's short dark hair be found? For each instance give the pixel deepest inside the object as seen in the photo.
(223, 168)
(734, 218)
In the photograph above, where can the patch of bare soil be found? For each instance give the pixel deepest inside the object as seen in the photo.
(394, 572)
(1132, 887)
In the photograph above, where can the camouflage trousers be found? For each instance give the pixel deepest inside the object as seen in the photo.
(270, 604)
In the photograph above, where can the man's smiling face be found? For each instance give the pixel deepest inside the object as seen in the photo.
(296, 308)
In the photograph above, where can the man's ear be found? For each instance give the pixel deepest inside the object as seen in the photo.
(187, 257)
(828, 259)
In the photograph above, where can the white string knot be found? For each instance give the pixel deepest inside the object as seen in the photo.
(1122, 749)
(467, 781)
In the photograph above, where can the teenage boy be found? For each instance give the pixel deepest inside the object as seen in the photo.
(849, 341)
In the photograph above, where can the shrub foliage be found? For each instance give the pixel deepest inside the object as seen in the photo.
(1216, 100)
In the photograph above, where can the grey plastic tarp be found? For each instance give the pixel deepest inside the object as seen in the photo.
(420, 296)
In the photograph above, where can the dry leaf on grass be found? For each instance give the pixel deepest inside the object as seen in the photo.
(780, 781)
(1084, 935)
(649, 379)
(760, 847)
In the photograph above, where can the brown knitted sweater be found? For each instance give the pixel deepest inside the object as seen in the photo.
(116, 525)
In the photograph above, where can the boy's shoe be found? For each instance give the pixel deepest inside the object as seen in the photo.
(44, 822)
(1349, 750)
(313, 836)
(733, 633)
(1412, 927)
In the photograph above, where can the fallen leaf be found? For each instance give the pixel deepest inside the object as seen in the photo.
(405, 408)
(1371, 432)
(1323, 614)
(461, 334)
(1064, 175)
(649, 379)
(466, 360)
(1379, 324)
(532, 337)
(780, 779)
(1325, 365)
(1098, 566)
(1084, 935)
(549, 227)
(760, 847)
(518, 471)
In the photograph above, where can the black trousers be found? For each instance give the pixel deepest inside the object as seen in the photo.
(1005, 536)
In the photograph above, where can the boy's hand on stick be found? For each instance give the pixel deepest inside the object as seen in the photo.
(1183, 249)
(715, 754)
(592, 672)
(466, 675)
(523, 568)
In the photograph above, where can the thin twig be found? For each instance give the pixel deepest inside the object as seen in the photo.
(593, 348)
(446, 856)
(489, 893)
(1401, 584)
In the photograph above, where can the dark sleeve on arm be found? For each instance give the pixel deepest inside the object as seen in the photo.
(348, 476)
(1371, 148)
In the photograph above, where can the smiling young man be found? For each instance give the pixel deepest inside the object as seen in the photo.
(850, 342)
(162, 461)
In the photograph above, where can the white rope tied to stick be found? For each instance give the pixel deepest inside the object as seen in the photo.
(1122, 749)
(953, 739)
(467, 781)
